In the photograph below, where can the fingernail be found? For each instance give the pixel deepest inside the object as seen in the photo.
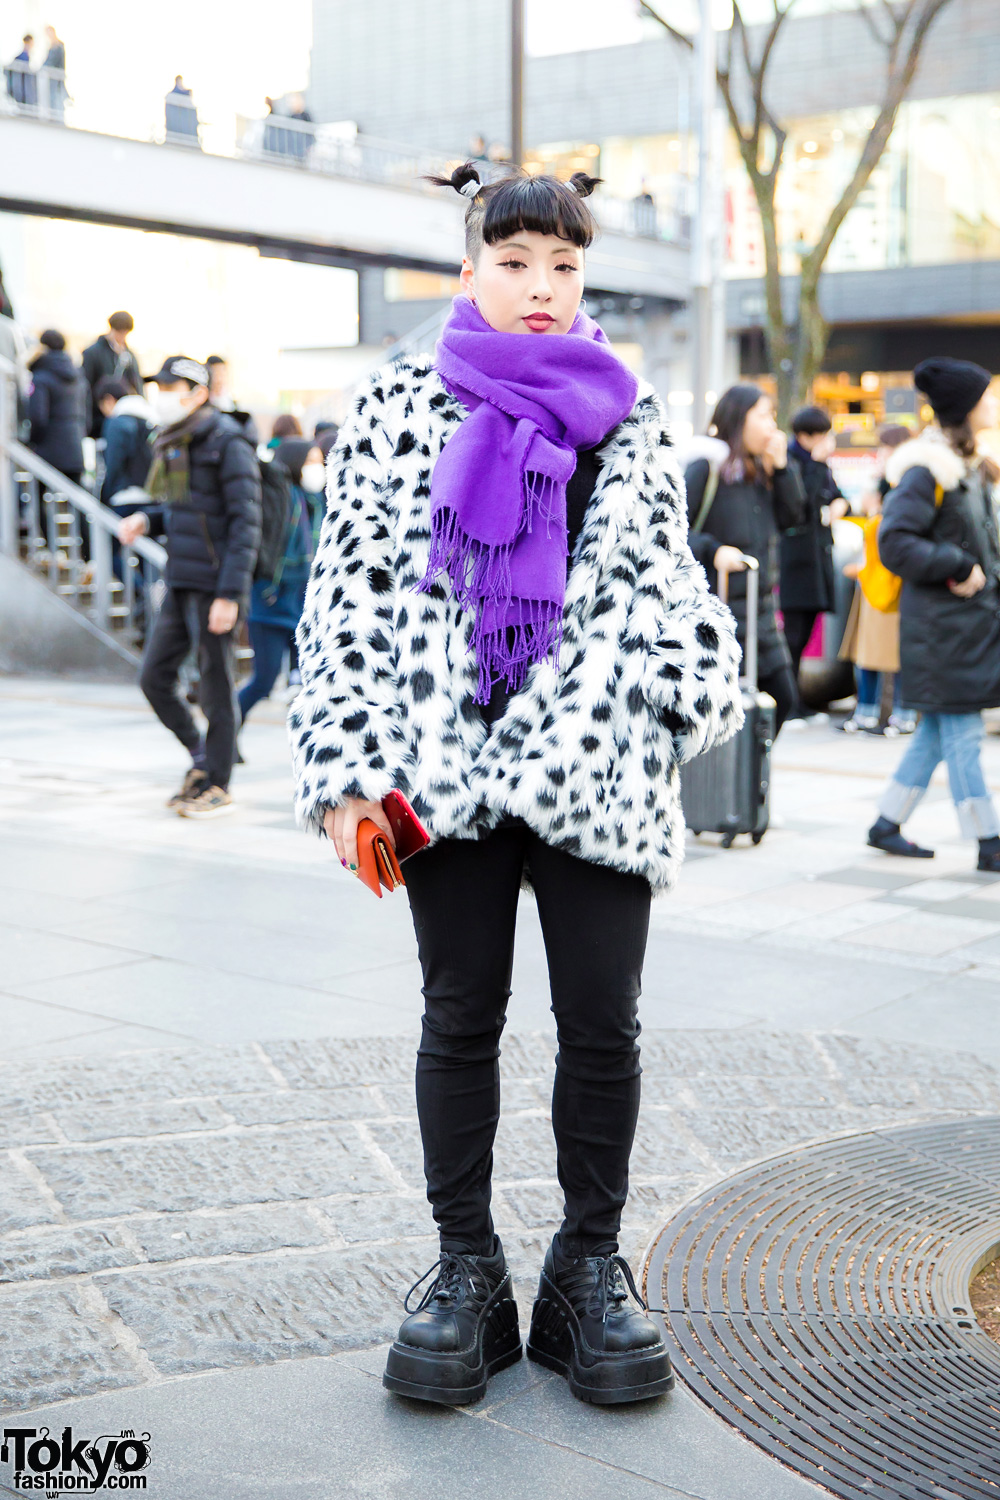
(344, 863)
(354, 867)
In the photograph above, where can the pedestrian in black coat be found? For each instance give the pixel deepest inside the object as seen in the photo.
(110, 358)
(806, 587)
(206, 479)
(758, 494)
(939, 534)
(57, 407)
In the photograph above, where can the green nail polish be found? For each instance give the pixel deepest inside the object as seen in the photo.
(354, 867)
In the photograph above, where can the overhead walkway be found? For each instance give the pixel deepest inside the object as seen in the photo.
(334, 206)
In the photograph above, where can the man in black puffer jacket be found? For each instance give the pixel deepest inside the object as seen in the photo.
(206, 480)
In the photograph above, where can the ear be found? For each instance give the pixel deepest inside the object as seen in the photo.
(467, 278)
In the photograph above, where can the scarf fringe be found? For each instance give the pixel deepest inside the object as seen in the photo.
(507, 653)
(480, 572)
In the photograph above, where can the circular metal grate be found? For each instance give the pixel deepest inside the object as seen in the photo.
(821, 1305)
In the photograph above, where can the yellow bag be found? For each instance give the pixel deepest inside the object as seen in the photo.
(880, 587)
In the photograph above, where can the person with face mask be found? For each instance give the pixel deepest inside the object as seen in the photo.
(206, 491)
(276, 603)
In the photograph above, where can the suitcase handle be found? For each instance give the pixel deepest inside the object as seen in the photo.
(748, 676)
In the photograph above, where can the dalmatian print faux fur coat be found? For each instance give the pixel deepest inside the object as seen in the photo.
(586, 753)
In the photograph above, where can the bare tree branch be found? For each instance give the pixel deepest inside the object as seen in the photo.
(900, 28)
(678, 36)
(900, 76)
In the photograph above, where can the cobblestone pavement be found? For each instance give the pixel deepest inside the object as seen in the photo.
(167, 1212)
(209, 1160)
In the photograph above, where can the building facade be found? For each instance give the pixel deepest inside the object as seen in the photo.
(916, 264)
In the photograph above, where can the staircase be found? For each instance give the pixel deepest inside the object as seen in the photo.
(71, 597)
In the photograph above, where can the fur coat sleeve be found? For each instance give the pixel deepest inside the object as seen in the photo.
(692, 674)
(345, 737)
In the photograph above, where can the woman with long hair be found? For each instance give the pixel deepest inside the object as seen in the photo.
(504, 622)
(939, 534)
(758, 493)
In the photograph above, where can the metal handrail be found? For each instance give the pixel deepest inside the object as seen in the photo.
(69, 539)
(96, 513)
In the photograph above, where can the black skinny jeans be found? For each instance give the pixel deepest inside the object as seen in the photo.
(784, 689)
(182, 624)
(463, 896)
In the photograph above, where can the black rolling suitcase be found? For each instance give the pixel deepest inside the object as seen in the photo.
(726, 790)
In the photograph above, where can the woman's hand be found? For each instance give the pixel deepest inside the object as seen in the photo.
(729, 560)
(971, 585)
(341, 824)
(775, 455)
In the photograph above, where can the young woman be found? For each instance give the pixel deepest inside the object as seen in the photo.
(759, 493)
(504, 621)
(939, 534)
(276, 603)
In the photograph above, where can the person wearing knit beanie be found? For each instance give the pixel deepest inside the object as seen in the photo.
(953, 387)
(938, 534)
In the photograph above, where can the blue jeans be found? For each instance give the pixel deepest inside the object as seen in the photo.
(955, 739)
(870, 690)
(269, 644)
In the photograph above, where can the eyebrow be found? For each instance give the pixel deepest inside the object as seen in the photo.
(517, 245)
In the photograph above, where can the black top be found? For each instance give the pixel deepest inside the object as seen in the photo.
(749, 514)
(806, 550)
(580, 487)
(949, 647)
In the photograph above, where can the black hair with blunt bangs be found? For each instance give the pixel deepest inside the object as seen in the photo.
(520, 201)
(728, 421)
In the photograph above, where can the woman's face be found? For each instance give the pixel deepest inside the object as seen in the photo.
(531, 283)
(984, 414)
(759, 427)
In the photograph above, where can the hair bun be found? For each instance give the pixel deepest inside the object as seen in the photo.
(465, 180)
(583, 185)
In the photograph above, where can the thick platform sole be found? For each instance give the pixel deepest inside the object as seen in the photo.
(638, 1379)
(605, 1380)
(448, 1381)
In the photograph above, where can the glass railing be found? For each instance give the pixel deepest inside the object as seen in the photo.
(292, 141)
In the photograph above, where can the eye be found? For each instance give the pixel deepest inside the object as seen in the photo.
(568, 266)
(515, 265)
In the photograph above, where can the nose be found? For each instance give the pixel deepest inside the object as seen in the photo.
(541, 290)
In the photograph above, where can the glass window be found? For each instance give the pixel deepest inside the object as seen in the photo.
(933, 198)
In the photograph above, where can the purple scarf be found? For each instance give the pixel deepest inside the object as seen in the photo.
(498, 490)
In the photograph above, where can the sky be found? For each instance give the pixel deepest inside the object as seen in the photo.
(124, 53)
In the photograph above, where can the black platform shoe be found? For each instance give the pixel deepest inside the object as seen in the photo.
(463, 1330)
(583, 1327)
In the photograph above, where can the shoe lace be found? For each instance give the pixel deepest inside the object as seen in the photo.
(608, 1293)
(456, 1273)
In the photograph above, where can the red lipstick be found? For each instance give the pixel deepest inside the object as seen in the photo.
(538, 322)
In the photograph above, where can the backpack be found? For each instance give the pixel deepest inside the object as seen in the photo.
(276, 516)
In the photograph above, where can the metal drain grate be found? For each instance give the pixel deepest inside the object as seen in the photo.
(821, 1302)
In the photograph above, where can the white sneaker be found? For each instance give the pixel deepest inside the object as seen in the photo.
(861, 724)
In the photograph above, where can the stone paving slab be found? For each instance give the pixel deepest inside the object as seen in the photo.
(204, 1235)
(323, 1427)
